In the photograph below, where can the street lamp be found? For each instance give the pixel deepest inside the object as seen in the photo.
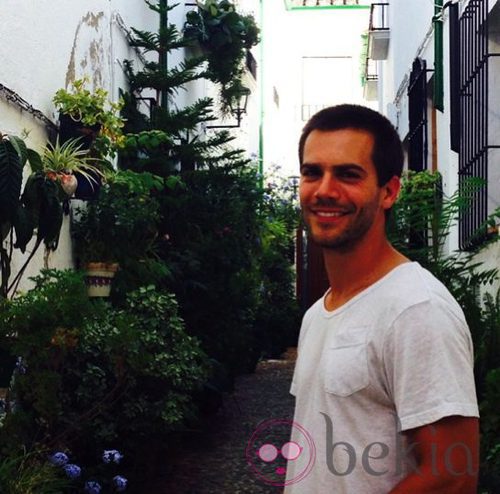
(238, 107)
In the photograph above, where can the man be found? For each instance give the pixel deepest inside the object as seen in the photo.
(383, 382)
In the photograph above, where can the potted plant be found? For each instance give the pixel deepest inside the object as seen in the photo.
(68, 164)
(118, 226)
(95, 247)
(90, 116)
(225, 36)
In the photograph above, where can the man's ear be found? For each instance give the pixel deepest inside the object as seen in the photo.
(390, 192)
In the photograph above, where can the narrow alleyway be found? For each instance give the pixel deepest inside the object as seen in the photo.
(215, 462)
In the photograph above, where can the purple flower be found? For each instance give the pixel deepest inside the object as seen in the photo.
(72, 471)
(20, 365)
(112, 456)
(120, 483)
(59, 459)
(92, 487)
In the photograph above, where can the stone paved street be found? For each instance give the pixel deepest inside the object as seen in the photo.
(214, 462)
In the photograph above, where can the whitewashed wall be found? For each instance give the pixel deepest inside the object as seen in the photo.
(47, 44)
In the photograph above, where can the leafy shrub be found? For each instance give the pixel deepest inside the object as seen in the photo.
(23, 472)
(490, 434)
(136, 368)
(91, 374)
(122, 223)
(214, 229)
(278, 319)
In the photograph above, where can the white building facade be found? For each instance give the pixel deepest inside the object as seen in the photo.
(437, 83)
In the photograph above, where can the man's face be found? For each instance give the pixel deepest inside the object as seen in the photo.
(339, 194)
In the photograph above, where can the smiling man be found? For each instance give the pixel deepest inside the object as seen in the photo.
(384, 377)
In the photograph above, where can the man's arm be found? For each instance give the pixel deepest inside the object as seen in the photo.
(447, 454)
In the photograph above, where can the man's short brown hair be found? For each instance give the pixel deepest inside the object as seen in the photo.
(387, 155)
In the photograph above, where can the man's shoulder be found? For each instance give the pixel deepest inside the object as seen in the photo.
(410, 285)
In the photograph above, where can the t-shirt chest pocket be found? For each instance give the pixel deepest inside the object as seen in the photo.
(345, 363)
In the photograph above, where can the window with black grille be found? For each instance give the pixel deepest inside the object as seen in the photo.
(474, 128)
(417, 113)
(454, 33)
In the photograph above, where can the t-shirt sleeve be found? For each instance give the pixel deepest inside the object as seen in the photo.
(428, 364)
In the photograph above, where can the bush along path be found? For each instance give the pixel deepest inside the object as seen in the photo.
(214, 460)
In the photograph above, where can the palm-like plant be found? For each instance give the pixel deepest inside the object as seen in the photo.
(60, 161)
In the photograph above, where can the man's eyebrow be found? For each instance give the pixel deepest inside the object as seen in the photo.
(341, 167)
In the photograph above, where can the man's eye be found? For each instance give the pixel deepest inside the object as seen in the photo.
(350, 175)
(309, 172)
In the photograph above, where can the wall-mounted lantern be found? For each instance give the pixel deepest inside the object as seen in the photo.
(237, 109)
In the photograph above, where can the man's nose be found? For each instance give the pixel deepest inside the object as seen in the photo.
(328, 188)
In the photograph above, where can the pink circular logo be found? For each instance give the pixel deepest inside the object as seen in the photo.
(270, 450)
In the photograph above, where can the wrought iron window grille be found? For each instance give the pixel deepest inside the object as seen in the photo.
(473, 137)
(418, 147)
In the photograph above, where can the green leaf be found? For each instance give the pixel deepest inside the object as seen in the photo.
(20, 148)
(51, 215)
(5, 230)
(35, 161)
(23, 226)
(11, 176)
(173, 181)
(32, 195)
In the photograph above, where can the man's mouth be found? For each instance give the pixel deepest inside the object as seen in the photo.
(330, 214)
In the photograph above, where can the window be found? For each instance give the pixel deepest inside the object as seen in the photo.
(326, 81)
(454, 78)
(417, 113)
(479, 136)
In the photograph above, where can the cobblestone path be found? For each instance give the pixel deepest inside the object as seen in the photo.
(215, 462)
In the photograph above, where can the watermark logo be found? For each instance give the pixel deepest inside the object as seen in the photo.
(270, 448)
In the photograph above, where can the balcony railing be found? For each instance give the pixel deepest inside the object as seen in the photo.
(370, 85)
(378, 17)
(307, 111)
(378, 32)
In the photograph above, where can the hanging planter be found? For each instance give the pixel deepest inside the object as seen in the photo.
(90, 117)
(70, 129)
(71, 168)
(89, 185)
(225, 36)
(99, 277)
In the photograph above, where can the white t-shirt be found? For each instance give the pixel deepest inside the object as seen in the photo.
(396, 356)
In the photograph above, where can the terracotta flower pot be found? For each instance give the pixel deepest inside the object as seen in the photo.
(69, 183)
(99, 278)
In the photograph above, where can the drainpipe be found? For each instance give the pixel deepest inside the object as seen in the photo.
(438, 55)
(261, 103)
(163, 55)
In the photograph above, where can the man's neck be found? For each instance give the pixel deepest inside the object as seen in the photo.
(349, 273)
